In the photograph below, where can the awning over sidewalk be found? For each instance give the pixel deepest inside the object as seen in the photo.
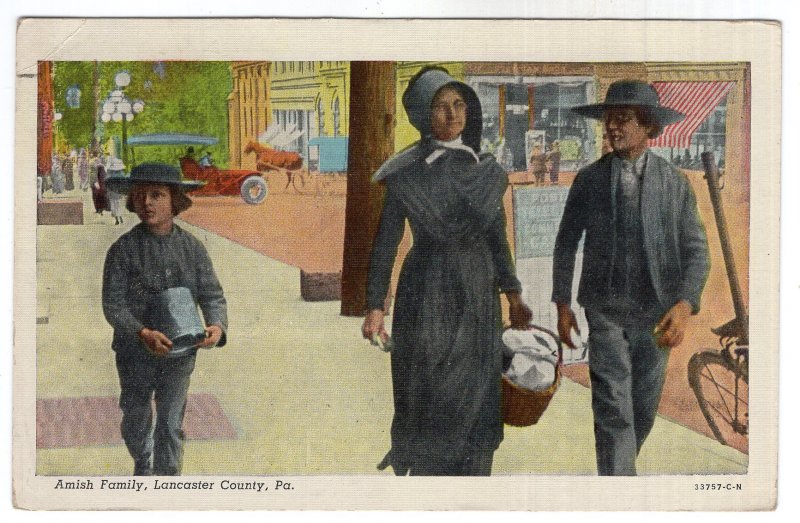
(694, 99)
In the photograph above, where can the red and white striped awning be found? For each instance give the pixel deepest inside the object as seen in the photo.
(694, 99)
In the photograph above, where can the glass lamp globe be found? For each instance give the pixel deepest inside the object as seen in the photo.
(122, 78)
(125, 106)
(106, 117)
(117, 117)
(138, 106)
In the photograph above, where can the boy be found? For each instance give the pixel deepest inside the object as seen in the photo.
(154, 256)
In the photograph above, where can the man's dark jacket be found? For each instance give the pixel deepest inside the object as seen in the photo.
(674, 237)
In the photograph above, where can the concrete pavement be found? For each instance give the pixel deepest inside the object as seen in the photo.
(305, 393)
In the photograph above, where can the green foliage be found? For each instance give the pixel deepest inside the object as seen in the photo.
(179, 97)
(75, 126)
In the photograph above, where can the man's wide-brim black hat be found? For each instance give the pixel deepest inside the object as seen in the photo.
(626, 93)
(151, 172)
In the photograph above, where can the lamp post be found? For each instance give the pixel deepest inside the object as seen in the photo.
(56, 118)
(118, 108)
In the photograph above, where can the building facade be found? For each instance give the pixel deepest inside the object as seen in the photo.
(249, 109)
(524, 104)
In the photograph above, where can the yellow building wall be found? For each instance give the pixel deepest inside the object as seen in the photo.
(309, 85)
(335, 85)
(249, 110)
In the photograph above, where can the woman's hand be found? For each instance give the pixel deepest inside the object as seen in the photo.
(213, 335)
(518, 312)
(155, 341)
(373, 324)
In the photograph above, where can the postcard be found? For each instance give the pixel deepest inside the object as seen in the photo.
(338, 264)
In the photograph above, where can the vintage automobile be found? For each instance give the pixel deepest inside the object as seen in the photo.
(250, 185)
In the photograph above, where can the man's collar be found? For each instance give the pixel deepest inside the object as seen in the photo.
(638, 164)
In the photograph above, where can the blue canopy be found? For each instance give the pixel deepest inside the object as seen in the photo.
(171, 139)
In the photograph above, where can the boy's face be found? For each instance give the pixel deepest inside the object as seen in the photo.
(153, 205)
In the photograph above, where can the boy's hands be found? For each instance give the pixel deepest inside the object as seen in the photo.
(155, 341)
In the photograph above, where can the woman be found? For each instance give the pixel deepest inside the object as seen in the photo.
(115, 170)
(447, 358)
(83, 169)
(99, 197)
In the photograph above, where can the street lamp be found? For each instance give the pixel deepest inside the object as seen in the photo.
(56, 117)
(118, 108)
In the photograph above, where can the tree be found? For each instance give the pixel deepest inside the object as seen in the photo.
(179, 97)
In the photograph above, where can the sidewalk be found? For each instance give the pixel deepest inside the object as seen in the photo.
(304, 392)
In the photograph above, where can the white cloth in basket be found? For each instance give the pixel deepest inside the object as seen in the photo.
(533, 359)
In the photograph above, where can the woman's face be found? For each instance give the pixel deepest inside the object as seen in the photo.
(448, 114)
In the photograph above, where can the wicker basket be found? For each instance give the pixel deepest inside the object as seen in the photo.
(523, 407)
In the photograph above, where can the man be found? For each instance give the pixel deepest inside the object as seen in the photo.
(645, 263)
(154, 258)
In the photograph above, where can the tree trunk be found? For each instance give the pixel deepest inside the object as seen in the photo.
(95, 145)
(44, 118)
(372, 121)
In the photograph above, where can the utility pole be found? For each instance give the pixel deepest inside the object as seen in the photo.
(372, 121)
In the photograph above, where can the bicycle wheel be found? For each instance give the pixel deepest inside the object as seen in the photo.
(721, 387)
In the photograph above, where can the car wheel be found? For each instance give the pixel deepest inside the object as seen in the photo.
(254, 190)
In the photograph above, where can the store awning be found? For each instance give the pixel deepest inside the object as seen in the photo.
(694, 99)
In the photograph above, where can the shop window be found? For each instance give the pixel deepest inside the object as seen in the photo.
(336, 117)
(535, 111)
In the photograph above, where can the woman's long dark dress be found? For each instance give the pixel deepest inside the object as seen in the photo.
(446, 364)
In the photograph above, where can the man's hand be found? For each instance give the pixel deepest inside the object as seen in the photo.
(155, 342)
(672, 327)
(213, 335)
(518, 312)
(566, 324)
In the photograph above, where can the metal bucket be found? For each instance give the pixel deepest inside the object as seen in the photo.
(174, 313)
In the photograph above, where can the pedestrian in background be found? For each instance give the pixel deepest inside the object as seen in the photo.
(153, 257)
(554, 162)
(99, 196)
(538, 164)
(116, 170)
(57, 174)
(69, 170)
(83, 169)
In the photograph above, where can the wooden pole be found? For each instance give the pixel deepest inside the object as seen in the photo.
(372, 121)
(739, 306)
(44, 118)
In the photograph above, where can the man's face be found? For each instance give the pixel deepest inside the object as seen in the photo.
(627, 137)
(448, 114)
(153, 205)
